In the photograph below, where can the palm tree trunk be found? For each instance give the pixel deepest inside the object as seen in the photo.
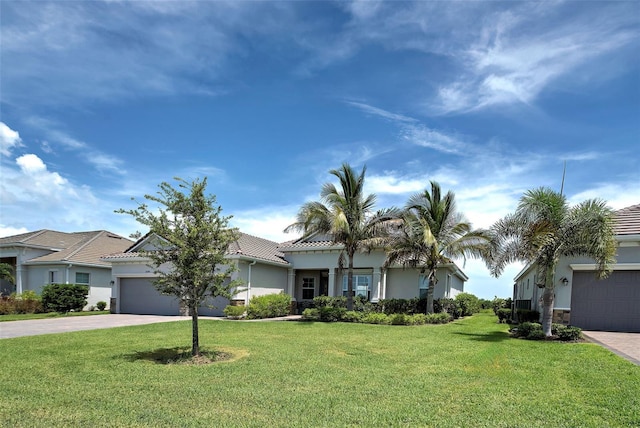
(547, 308)
(350, 284)
(195, 339)
(432, 286)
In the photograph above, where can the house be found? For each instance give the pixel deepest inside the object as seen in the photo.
(47, 256)
(303, 269)
(611, 304)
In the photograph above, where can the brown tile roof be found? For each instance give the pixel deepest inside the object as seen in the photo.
(247, 245)
(76, 247)
(628, 220)
(308, 244)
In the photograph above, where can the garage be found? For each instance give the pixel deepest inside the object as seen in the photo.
(611, 304)
(139, 296)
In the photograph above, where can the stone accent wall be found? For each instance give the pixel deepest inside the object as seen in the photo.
(112, 305)
(562, 316)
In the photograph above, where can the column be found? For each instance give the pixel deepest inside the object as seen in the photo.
(291, 282)
(377, 283)
(332, 283)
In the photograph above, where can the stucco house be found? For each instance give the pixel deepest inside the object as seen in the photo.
(611, 304)
(47, 256)
(303, 269)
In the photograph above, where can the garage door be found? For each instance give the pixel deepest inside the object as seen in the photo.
(611, 304)
(139, 296)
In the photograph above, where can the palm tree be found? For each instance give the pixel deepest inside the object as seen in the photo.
(433, 233)
(346, 215)
(6, 272)
(543, 229)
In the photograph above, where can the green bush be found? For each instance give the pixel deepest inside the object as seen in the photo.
(331, 314)
(504, 314)
(485, 304)
(450, 306)
(528, 315)
(26, 303)
(375, 318)
(235, 312)
(418, 319)
(101, 305)
(311, 314)
(330, 301)
(399, 319)
(269, 306)
(569, 333)
(64, 297)
(439, 318)
(469, 304)
(352, 316)
(497, 303)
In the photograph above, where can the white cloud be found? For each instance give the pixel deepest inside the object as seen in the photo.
(426, 137)
(392, 184)
(266, 222)
(9, 139)
(394, 117)
(10, 231)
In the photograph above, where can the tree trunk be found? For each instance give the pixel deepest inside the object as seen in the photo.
(350, 284)
(195, 339)
(432, 285)
(547, 308)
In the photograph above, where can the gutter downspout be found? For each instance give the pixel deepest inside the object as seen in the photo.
(69, 266)
(246, 302)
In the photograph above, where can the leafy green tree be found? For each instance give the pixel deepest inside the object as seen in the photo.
(544, 228)
(346, 215)
(196, 237)
(6, 272)
(433, 233)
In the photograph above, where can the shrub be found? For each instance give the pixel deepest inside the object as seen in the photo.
(569, 333)
(528, 315)
(504, 314)
(528, 330)
(331, 314)
(302, 305)
(375, 318)
(101, 305)
(64, 297)
(352, 316)
(25, 303)
(450, 306)
(234, 312)
(329, 301)
(311, 314)
(401, 306)
(399, 319)
(418, 319)
(485, 304)
(469, 304)
(269, 306)
(497, 303)
(439, 318)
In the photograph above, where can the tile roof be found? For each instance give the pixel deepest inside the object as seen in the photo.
(247, 245)
(75, 247)
(628, 220)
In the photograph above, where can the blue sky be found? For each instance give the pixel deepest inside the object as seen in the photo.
(102, 101)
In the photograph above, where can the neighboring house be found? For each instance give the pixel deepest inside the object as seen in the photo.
(47, 256)
(611, 304)
(303, 269)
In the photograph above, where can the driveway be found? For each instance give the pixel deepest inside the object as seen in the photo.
(626, 345)
(11, 329)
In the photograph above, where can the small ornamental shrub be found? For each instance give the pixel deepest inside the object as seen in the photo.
(485, 304)
(302, 305)
(528, 315)
(329, 301)
(234, 312)
(101, 305)
(311, 314)
(469, 304)
(26, 303)
(450, 306)
(504, 314)
(331, 314)
(497, 303)
(399, 319)
(439, 318)
(569, 333)
(418, 319)
(352, 316)
(375, 318)
(269, 306)
(64, 297)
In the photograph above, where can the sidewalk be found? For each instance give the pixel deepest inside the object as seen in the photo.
(626, 345)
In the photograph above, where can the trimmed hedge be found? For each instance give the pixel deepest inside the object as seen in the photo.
(64, 297)
(269, 306)
(26, 303)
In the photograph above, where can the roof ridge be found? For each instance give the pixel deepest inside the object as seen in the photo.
(87, 242)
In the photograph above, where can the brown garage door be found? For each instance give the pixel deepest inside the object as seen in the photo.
(611, 304)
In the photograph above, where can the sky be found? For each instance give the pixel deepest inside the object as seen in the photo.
(101, 101)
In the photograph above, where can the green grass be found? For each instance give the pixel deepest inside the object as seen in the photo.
(22, 317)
(465, 374)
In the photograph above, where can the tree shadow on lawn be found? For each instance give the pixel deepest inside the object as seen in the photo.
(179, 355)
(494, 336)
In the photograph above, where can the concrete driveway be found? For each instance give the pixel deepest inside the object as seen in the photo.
(626, 345)
(11, 329)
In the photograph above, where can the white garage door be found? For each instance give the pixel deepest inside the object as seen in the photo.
(611, 304)
(139, 296)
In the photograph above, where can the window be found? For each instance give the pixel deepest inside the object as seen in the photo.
(361, 285)
(82, 278)
(423, 286)
(53, 277)
(308, 288)
(449, 285)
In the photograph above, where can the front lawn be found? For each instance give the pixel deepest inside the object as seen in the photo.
(465, 374)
